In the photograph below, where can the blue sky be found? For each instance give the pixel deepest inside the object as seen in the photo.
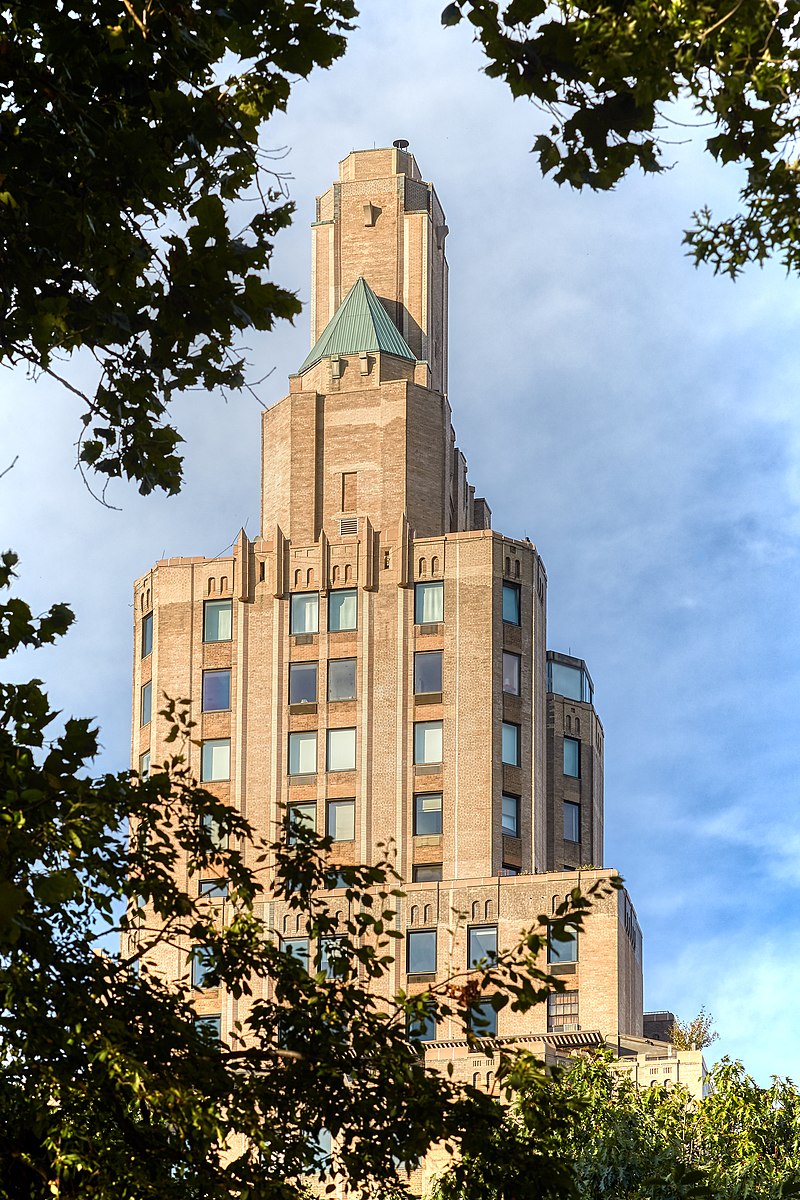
(638, 419)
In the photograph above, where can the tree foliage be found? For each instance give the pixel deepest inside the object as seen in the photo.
(695, 1034)
(110, 1089)
(136, 212)
(619, 80)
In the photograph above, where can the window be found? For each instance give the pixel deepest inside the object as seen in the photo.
(572, 822)
(214, 889)
(341, 749)
(562, 945)
(216, 690)
(334, 878)
(429, 603)
(297, 948)
(572, 757)
(342, 679)
(481, 944)
(483, 1019)
(303, 753)
(507, 869)
(303, 683)
(511, 603)
(209, 1027)
(511, 673)
(572, 682)
(562, 1011)
(421, 952)
(422, 1027)
(202, 963)
(147, 634)
(300, 815)
(144, 765)
(342, 610)
(304, 614)
(341, 820)
(146, 704)
(428, 814)
(218, 838)
(428, 671)
(215, 760)
(333, 957)
(510, 814)
(426, 873)
(217, 620)
(428, 742)
(510, 744)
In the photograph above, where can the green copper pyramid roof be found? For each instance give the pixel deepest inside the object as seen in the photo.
(360, 323)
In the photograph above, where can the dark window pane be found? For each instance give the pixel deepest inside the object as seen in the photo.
(342, 679)
(201, 966)
(483, 1020)
(217, 621)
(428, 671)
(428, 814)
(572, 822)
(426, 873)
(422, 1028)
(209, 1027)
(302, 683)
(421, 953)
(147, 634)
(147, 703)
(511, 608)
(216, 690)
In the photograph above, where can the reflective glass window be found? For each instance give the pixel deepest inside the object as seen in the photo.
(428, 742)
(429, 603)
(428, 814)
(217, 620)
(302, 683)
(421, 952)
(511, 603)
(342, 610)
(303, 753)
(341, 749)
(572, 757)
(216, 690)
(304, 614)
(510, 744)
(342, 679)
(428, 671)
(215, 760)
(511, 673)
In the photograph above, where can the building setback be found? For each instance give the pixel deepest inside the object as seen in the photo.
(375, 660)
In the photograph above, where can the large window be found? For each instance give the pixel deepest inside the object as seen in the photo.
(147, 634)
(421, 952)
(481, 944)
(429, 603)
(428, 814)
(341, 749)
(300, 815)
(303, 753)
(215, 760)
(342, 610)
(572, 822)
(427, 671)
(304, 615)
(303, 683)
(562, 1011)
(510, 744)
(216, 690)
(202, 963)
(572, 757)
(341, 820)
(426, 873)
(342, 679)
(572, 682)
(562, 945)
(511, 673)
(511, 603)
(217, 620)
(428, 742)
(483, 1019)
(510, 814)
(146, 708)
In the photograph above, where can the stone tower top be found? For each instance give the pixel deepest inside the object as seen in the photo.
(380, 220)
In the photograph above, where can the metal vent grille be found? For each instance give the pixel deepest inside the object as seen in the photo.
(348, 526)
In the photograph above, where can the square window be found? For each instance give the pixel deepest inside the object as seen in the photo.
(428, 814)
(215, 889)
(202, 963)
(303, 683)
(215, 760)
(341, 820)
(342, 679)
(511, 603)
(511, 673)
(510, 814)
(147, 634)
(426, 873)
(510, 744)
(562, 946)
(144, 765)
(421, 952)
(572, 822)
(427, 671)
(216, 690)
(146, 704)
(429, 603)
(572, 757)
(481, 944)
(217, 620)
(428, 742)
(422, 1027)
(304, 614)
(333, 958)
(562, 1011)
(297, 948)
(209, 1027)
(303, 753)
(483, 1019)
(341, 749)
(342, 610)
(300, 815)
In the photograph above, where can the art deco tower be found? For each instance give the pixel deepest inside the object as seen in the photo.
(375, 660)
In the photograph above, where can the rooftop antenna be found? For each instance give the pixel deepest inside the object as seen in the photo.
(400, 144)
